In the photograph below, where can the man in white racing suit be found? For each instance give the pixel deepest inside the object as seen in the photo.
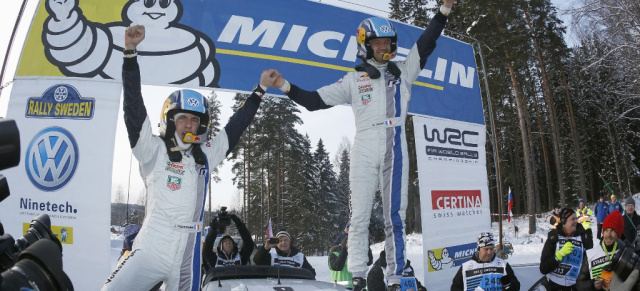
(175, 168)
(379, 93)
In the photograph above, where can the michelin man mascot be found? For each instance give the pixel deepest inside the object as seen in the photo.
(81, 48)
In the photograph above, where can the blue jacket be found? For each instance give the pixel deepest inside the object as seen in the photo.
(601, 211)
(614, 206)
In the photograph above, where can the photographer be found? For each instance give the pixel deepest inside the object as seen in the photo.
(631, 221)
(282, 253)
(563, 251)
(600, 256)
(227, 252)
(497, 274)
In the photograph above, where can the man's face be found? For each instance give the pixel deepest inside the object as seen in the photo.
(186, 123)
(581, 205)
(380, 46)
(630, 208)
(285, 244)
(557, 210)
(485, 254)
(227, 245)
(610, 236)
(601, 199)
(570, 226)
(613, 199)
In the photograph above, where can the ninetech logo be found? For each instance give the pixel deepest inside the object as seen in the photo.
(455, 199)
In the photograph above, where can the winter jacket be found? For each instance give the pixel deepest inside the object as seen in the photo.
(601, 211)
(458, 280)
(248, 245)
(338, 265)
(548, 262)
(631, 225)
(614, 206)
(584, 281)
(376, 276)
(263, 257)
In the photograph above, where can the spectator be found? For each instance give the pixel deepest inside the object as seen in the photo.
(615, 204)
(584, 218)
(282, 253)
(631, 221)
(338, 262)
(601, 212)
(599, 257)
(376, 279)
(563, 251)
(555, 217)
(227, 251)
(494, 269)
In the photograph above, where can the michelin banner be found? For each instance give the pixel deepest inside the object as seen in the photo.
(67, 132)
(453, 191)
(227, 44)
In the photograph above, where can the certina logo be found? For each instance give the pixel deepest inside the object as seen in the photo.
(455, 199)
(193, 102)
(52, 158)
(60, 101)
(328, 44)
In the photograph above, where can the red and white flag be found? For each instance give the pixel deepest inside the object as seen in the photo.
(269, 229)
(510, 206)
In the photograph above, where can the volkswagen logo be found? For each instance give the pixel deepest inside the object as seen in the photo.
(193, 102)
(52, 158)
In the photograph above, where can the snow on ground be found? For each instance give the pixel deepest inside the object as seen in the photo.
(527, 247)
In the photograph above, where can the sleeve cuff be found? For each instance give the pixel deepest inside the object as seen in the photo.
(439, 17)
(130, 64)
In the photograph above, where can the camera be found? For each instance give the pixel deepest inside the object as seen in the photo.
(224, 219)
(274, 240)
(625, 260)
(34, 261)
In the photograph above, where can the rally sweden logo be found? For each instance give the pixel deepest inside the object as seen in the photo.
(52, 158)
(60, 101)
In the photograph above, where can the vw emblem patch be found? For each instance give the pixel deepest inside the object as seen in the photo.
(193, 102)
(52, 158)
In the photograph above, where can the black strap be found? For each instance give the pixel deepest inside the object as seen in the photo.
(369, 69)
(173, 150)
(393, 69)
(374, 73)
(198, 154)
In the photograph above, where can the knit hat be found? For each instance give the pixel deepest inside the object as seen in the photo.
(631, 201)
(580, 200)
(283, 233)
(485, 239)
(565, 213)
(613, 196)
(614, 221)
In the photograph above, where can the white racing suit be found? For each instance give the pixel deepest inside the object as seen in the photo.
(379, 155)
(168, 245)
